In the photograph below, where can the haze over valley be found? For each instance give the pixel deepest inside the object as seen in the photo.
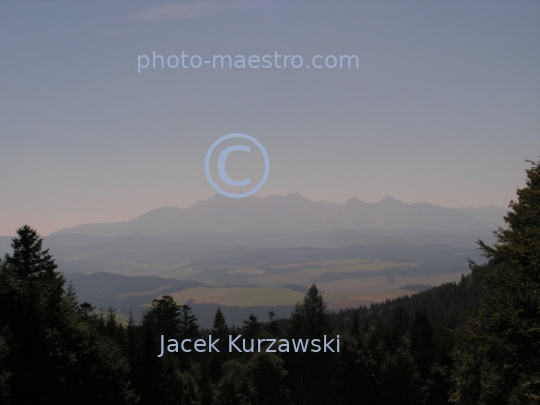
(253, 254)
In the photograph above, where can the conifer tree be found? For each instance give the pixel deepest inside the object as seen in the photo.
(273, 325)
(164, 316)
(355, 327)
(497, 352)
(310, 318)
(252, 327)
(420, 335)
(130, 338)
(4, 373)
(53, 356)
(219, 327)
(397, 328)
(188, 322)
(220, 331)
(310, 373)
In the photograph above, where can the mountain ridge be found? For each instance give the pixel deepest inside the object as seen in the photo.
(294, 213)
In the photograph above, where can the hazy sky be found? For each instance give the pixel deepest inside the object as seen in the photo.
(444, 107)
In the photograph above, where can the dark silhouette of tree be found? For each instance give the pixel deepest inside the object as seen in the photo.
(5, 374)
(310, 318)
(188, 322)
(252, 327)
(261, 380)
(173, 378)
(397, 329)
(400, 380)
(233, 388)
(52, 355)
(130, 344)
(310, 373)
(219, 327)
(164, 316)
(266, 373)
(355, 327)
(497, 352)
(219, 331)
(421, 337)
(85, 309)
(272, 327)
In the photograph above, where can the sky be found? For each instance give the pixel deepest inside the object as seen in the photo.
(443, 108)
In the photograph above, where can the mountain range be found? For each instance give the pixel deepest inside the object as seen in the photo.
(294, 214)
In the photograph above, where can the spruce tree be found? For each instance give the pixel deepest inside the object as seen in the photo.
(273, 325)
(252, 327)
(165, 316)
(188, 322)
(497, 352)
(5, 374)
(219, 327)
(355, 327)
(52, 354)
(310, 373)
(421, 338)
(310, 318)
(219, 332)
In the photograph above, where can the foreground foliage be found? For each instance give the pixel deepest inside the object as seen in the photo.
(48, 352)
(393, 353)
(497, 353)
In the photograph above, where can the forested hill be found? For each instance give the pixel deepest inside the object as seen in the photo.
(446, 306)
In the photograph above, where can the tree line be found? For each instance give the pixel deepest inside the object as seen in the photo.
(472, 342)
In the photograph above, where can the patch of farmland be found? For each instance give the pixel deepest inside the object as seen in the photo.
(239, 296)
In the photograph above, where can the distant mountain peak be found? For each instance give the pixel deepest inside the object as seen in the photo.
(220, 200)
(295, 213)
(296, 195)
(293, 198)
(353, 201)
(390, 201)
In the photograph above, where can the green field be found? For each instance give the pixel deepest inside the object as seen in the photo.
(337, 294)
(307, 276)
(264, 284)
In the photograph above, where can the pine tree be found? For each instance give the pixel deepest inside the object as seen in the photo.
(310, 318)
(130, 338)
(310, 373)
(355, 327)
(421, 338)
(71, 295)
(266, 374)
(5, 375)
(273, 325)
(188, 323)
(219, 327)
(85, 309)
(164, 315)
(51, 350)
(497, 352)
(31, 309)
(397, 328)
(233, 387)
(220, 331)
(252, 327)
